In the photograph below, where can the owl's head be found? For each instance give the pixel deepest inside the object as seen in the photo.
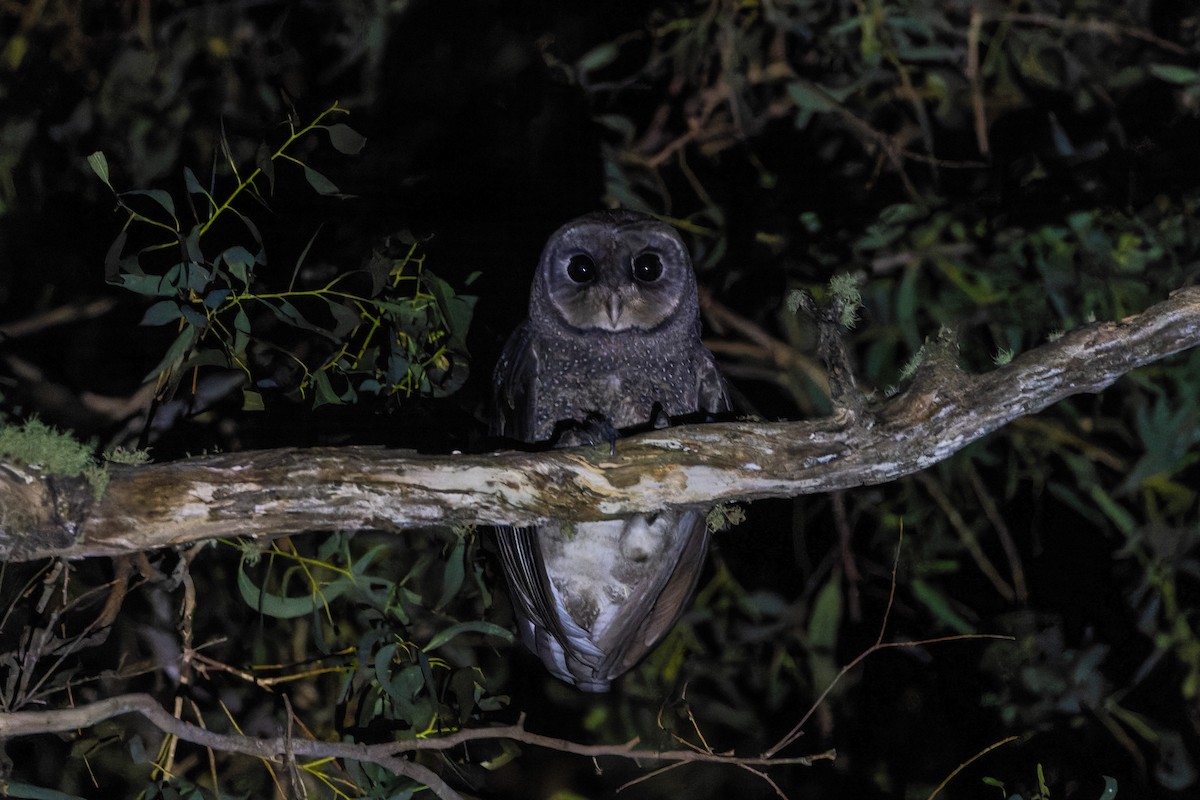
(614, 271)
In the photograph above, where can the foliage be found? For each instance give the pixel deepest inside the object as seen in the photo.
(403, 333)
(361, 625)
(1043, 791)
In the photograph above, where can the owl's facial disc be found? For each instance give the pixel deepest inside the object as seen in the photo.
(632, 278)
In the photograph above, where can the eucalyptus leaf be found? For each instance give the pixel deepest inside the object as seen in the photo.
(158, 196)
(240, 263)
(474, 626)
(599, 57)
(320, 183)
(112, 257)
(1174, 73)
(161, 313)
(241, 332)
(27, 791)
(346, 318)
(194, 317)
(262, 160)
(175, 354)
(217, 297)
(452, 576)
(99, 164)
(194, 186)
(345, 139)
(323, 393)
(281, 607)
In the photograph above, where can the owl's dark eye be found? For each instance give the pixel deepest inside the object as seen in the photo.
(581, 269)
(647, 267)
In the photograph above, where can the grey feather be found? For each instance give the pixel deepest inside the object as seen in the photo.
(593, 598)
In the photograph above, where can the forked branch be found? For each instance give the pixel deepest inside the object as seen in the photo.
(269, 493)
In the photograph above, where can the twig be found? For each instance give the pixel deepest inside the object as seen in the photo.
(798, 730)
(968, 762)
(22, 723)
(967, 536)
(1109, 29)
(1020, 589)
(63, 315)
(782, 354)
(280, 749)
(974, 30)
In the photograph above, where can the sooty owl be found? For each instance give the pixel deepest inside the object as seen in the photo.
(613, 334)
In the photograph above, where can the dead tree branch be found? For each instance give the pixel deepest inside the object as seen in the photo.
(269, 493)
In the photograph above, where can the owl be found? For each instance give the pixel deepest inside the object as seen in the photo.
(613, 335)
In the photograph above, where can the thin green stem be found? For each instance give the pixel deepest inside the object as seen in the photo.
(316, 123)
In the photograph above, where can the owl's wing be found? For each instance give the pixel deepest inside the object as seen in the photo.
(648, 618)
(553, 636)
(514, 387)
(546, 628)
(712, 395)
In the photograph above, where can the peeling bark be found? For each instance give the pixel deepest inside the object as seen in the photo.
(275, 492)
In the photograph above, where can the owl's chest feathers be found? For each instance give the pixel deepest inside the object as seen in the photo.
(621, 378)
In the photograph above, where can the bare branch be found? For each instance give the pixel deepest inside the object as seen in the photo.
(25, 723)
(280, 749)
(283, 491)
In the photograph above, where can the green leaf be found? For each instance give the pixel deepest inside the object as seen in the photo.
(287, 607)
(152, 285)
(252, 401)
(456, 309)
(826, 616)
(198, 276)
(158, 196)
(191, 245)
(345, 139)
(939, 606)
(241, 333)
(161, 313)
(324, 391)
(807, 96)
(1173, 73)
(240, 263)
(27, 791)
(262, 160)
(478, 626)
(194, 317)
(175, 354)
(346, 319)
(320, 183)
(217, 297)
(621, 125)
(207, 357)
(193, 185)
(452, 577)
(99, 164)
(599, 57)
(288, 313)
(112, 258)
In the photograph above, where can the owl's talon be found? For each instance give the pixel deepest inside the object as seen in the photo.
(595, 429)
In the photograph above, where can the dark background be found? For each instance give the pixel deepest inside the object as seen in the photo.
(789, 142)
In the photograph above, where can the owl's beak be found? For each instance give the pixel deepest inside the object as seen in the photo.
(614, 309)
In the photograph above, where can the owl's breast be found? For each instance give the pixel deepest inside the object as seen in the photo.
(622, 379)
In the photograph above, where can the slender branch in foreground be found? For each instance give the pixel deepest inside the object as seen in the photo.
(798, 730)
(270, 493)
(388, 755)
